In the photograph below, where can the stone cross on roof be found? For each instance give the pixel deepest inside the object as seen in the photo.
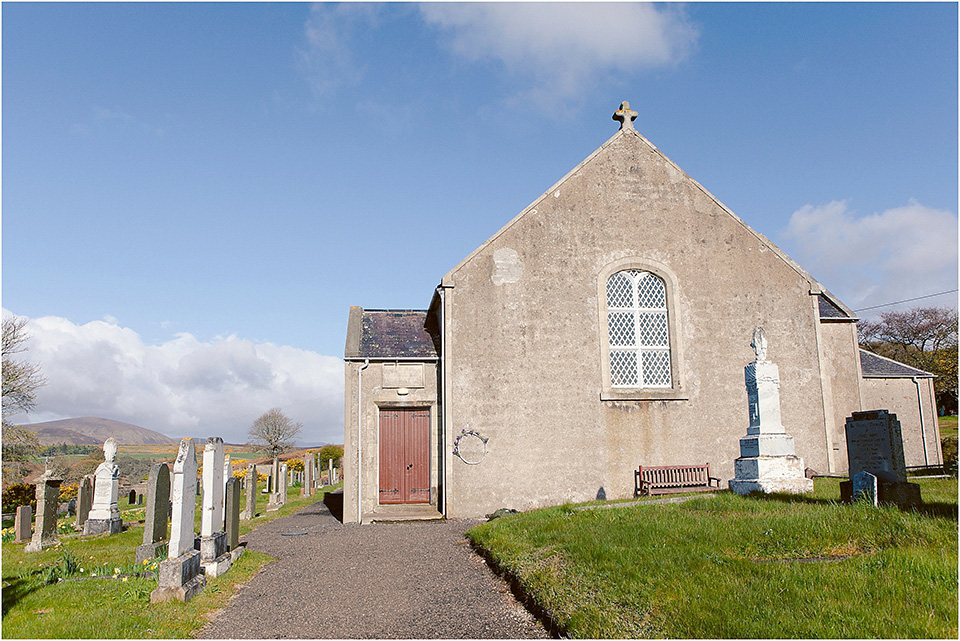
(625, 115)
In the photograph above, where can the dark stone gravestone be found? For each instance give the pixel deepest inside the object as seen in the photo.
(158, 509)
(875, 445)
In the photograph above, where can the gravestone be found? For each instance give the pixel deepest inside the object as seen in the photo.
(875, 445)
(179, 576)
(155, 525)
(45, 531)
(232, 518)
(282, 499)
(274, 503)
(84, 499)
(214, 558)
(227, 475)
(330, 474)
(865, 487)
(251, 508)
(105, 514)
(21, 525)
(768, 462)
(140, 499)
(132, 497)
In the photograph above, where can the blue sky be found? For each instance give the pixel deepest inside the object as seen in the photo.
(194, 194)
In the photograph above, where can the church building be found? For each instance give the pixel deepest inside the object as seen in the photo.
(605, 327)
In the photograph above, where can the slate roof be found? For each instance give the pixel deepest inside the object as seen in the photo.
(395, 333)
(828, 309)
(876, 366)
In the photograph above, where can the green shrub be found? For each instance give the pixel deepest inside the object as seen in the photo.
(17, 494)
(949, 446)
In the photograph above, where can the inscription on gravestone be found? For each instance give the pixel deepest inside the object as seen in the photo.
(875, 445)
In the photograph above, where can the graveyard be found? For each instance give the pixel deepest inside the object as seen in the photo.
(101, 585)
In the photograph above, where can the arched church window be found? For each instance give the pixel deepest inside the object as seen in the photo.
(639, 332)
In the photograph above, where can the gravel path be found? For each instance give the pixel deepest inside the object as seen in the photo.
(404, 580)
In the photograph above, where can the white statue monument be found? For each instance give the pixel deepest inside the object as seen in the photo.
(768, 461)
(105, 514)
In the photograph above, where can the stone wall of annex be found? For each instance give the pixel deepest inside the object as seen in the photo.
(375, 396)
(899, 396)
(524, 338)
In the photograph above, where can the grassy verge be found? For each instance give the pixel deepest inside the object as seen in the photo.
(739, 567)
(115, 603)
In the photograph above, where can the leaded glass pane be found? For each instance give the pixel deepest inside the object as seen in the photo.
(656, 369)
(651, 293)
(623, 368)
(622, 329)
(653, 330)
(619, 290)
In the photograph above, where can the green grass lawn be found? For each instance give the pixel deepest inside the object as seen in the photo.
(739, 567)
(114, 604)
(948, 426)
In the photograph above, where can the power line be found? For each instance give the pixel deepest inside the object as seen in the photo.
(906, 300)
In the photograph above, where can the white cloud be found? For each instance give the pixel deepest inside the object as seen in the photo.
(326, 59)
(182, 387)
(563, 47)
(900, 253)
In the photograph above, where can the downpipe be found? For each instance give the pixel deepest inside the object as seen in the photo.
(360, 440)
(923, 432)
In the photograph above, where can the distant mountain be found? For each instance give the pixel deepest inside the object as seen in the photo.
(94, 431)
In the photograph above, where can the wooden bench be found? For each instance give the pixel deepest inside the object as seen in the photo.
(674, 478)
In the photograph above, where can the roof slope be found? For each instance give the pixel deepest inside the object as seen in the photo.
(815, 286)
(385, 334)
(876, 366)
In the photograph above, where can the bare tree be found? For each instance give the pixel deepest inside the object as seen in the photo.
(274, 431)
(922, 337)
(21, 379)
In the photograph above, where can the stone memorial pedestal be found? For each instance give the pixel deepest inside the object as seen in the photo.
(179, 578)
(768, 461)
(215, 559)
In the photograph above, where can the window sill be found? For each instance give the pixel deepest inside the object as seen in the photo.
(679, 394)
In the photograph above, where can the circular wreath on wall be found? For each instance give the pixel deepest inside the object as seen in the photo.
(470, 447)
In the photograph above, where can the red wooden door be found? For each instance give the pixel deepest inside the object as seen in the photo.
(404, 455)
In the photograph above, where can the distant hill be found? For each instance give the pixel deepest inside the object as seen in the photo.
(94, 431)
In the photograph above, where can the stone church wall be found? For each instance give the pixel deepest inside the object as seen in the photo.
(525, 339)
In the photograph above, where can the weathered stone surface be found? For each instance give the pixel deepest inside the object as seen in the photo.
(158, 493)
(179, 578)
(211, 520)
(875, 445)
(184, 500)
(250, 510)
(22, 522)
(232, 518)
(865, 488)
(104, 514)
(84, 499)
(768, 461)
(45, 531)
